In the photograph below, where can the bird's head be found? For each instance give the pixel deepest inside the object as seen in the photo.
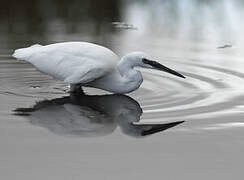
(140, 59)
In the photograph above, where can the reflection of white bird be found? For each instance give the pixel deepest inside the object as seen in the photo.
(85, 116)
(91, 65)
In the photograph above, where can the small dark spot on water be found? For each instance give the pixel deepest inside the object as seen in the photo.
(225, 46)
(123, 25)
(35, 86)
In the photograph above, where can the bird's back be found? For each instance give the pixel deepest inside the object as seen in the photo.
(81, 49)
(62, 60)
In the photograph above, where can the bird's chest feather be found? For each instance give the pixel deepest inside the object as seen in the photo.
(130, 83)
(117, 85)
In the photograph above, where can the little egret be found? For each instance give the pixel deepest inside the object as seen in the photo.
(87, 64)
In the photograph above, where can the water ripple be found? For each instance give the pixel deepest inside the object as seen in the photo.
(206, 91)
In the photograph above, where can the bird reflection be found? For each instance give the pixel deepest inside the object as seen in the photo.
(86, 116)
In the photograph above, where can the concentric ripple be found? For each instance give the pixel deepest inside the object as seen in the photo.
(207, 93)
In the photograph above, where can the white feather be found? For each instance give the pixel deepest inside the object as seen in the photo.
(25, 53)
(72, 62)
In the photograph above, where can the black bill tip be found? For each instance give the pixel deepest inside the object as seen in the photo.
(161, 67)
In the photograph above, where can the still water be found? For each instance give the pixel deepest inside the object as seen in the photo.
(170, 128)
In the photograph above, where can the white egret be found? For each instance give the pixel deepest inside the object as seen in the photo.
(90, 65)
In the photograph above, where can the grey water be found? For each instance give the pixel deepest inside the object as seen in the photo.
(170, 128)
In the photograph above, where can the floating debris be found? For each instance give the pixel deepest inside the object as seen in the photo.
(225, 46)
(123, 25)
(35, 86)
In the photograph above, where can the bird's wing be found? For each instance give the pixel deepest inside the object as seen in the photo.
(67, 67)
(85, 75)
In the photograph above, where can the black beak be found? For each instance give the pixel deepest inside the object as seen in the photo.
(161, 67)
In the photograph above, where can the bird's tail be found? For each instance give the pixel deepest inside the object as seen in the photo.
(24, 53)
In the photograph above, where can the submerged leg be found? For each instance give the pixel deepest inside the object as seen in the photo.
(76, 88)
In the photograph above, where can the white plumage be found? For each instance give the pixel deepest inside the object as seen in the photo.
(87, 64)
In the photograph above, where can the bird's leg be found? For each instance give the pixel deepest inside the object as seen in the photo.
(76, 88)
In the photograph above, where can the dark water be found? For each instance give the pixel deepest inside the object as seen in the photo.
(170, 128)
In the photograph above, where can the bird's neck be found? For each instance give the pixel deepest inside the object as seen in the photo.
(124, 79)
(130, 78)
(125, 66)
